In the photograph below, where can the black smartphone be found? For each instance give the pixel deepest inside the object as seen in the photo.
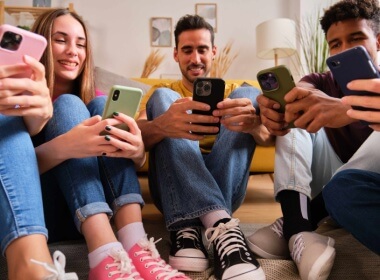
(353, 64)
(210, 91)
(275, 82)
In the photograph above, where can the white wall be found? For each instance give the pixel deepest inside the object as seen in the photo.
(121, 37)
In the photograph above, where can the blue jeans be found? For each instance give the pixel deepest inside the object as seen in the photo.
(352, 199)
(186, 184)
(90, 185)
(21, 210)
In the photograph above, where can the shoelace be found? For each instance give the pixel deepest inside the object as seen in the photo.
(58, 268)
(124, 265)
(277, 227)
(298, 247)
(227, 237)
(189, 233)
(150, 255)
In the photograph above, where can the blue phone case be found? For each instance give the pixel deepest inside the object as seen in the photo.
(352, 64)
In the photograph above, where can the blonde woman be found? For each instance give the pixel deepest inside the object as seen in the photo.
(96, 174)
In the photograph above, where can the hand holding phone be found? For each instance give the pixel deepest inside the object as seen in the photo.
(122, 99)
(210, 91)
(275, 83)
(353, 64)
(16, 42)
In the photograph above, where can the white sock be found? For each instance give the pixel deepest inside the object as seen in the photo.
(208, 220)
(130, 234)
(99, 254)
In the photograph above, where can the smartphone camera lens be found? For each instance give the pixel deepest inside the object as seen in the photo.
(207, 87)
(335, 63)
(115, 95)
(10, 41)
(268, 81)
(203, 88)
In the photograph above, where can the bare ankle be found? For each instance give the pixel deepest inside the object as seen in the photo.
(19, 254)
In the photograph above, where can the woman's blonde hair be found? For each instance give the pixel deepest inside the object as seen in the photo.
(84, 84)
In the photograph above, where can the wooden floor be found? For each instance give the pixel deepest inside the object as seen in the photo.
(258, 207)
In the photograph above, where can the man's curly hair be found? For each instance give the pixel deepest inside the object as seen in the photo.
(353, 9)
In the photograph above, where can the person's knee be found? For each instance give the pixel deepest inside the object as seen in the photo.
(68, 103)
(160, 101)
(337, 194)
(99, 101)
(162, 94)
(70, 108)
(67, 98)
(247, 92)
(96, 105)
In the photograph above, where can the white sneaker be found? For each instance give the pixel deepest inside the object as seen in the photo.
(313, 254)
(269, 242)
(58, 268)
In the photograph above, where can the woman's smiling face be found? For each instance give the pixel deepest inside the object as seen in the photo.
(68, 42)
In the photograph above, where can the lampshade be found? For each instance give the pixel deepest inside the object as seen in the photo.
(276, 38)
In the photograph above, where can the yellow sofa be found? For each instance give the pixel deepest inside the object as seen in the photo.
(263, 159)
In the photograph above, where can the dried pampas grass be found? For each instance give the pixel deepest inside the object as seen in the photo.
(223, 61)
(152, 63)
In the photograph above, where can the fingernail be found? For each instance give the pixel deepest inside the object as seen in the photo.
(27, 57)
(107, 138)
(108, 128)
(104, 154)
(115, 113)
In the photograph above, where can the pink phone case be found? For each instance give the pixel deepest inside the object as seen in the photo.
(29, 43)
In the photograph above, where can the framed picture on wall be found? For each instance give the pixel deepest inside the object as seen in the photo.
(41, 3)
(208, 12)
(161, 32)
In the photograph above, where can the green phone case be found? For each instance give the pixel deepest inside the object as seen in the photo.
(276, 90)
(124, 100)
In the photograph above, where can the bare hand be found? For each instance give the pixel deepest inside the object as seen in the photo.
(312, 109)
(238, 115)
(372, 102)
(129, 144)
(26, 97)
(84, 140)
(179, 122)
(270, 117)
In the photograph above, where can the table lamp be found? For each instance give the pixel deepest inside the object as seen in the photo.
(276, 38)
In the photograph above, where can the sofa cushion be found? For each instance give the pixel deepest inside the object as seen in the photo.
(105, 79)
